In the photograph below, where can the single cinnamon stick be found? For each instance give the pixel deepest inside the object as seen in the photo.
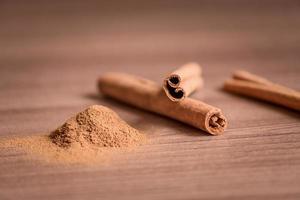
(147, 95)
(251, 85)
(182, 82)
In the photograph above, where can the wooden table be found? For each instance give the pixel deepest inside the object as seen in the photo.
(52, 53)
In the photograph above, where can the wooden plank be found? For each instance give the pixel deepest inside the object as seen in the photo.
(52, 53)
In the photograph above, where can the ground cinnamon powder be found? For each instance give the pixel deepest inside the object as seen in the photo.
(90, 136)
(97, 125)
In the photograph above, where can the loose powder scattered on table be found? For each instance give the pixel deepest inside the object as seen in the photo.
(90, 136)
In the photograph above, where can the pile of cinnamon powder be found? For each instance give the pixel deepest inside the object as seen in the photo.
(97, 125)
(88, 137)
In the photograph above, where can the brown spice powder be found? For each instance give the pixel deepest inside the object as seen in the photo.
(97, 125)
(89, 137)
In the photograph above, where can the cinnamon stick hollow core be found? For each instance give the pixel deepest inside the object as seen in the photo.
(182, 82)
(147, 95)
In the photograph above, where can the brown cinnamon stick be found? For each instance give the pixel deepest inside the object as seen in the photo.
(247, 76)
(251, 85)
(147, 95)
(182, 82)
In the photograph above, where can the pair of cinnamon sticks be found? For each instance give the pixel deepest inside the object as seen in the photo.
(183, 81)
(173, 103)
(245, 83)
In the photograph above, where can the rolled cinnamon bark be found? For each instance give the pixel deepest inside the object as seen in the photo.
(251, 85)
(182, 82)
(186, 87)
(147, 95)
(247, 76)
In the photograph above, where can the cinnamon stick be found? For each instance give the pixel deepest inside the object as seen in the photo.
(182, 82)
(147, 95)
(251, 85)
(247, 76)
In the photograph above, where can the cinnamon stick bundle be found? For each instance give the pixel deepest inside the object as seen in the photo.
(251, 85)
(183, 81)
(147, 95)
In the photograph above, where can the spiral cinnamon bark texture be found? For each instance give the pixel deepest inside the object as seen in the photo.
(182, 82)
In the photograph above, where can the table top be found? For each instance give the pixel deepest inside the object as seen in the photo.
(53, 52)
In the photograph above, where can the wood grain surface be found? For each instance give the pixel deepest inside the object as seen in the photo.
(51, 54)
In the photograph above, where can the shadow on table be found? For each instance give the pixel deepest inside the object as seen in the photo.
(147, 119)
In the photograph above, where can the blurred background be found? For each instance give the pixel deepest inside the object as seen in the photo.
(149, 33)
(68, 44)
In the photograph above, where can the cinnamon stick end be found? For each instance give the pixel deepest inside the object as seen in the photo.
(174, 80)
(175, 94)
(217, 123)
